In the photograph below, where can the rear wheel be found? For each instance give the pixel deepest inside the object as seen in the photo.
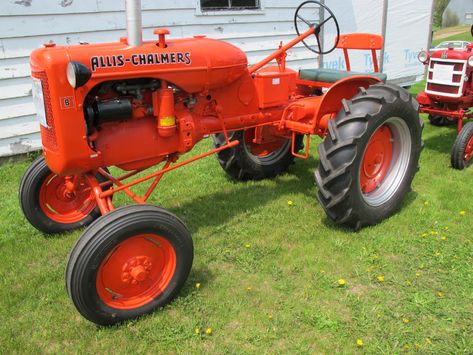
(440, 121)
(127, 263)
(370, 156)
(255, 161)
(49, 206)
(462, 151)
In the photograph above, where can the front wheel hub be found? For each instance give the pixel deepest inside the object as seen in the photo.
(136, 269)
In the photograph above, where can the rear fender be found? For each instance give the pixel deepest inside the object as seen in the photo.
(332, 100)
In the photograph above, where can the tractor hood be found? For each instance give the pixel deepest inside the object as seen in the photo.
(453, 54)
(192, 64)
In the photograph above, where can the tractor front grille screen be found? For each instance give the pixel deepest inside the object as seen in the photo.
(48, 134)
(446, 77)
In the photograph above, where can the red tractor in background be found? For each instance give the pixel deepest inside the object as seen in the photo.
(448, 97)
(135, 105)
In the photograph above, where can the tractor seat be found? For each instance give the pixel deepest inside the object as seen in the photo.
(333, 75)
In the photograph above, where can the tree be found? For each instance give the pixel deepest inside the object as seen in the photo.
(439, 6)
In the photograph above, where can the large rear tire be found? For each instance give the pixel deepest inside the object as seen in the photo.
(462, 150)
(48, 206)
(127, 263)
(370, 156)
(250, 161)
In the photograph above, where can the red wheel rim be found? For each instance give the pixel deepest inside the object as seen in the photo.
(377, 159)
(62, 206)
(136, 271)
(263, 149)
(468, 154)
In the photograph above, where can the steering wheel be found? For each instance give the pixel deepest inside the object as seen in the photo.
(317, 26)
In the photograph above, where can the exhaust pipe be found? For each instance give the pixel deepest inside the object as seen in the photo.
(133, 23)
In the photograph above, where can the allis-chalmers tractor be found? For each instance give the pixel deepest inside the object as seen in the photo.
(135, 105)
(448, 97)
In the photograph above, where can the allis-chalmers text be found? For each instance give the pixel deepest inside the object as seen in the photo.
(111, 61)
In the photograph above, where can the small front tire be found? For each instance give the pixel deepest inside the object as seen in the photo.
(48, 206)
(462, 150)
(128, 263)
(441, 121)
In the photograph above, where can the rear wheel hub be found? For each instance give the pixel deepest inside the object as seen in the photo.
(376, 160)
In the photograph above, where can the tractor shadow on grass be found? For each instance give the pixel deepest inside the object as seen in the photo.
(442, 141)
(408, 200)
(240, 198)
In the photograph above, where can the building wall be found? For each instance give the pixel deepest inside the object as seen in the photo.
(27, 24)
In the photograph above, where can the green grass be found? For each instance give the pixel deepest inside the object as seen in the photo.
(463, 36)
(280, 294)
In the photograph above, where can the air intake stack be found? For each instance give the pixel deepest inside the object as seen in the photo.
(133, 23)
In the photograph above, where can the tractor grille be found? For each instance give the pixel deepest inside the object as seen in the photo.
(446, 77)
(48, 135)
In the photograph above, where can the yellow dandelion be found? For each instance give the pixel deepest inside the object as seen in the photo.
(417, 274)
(247, 246)
(443, 237)
(380, 278)
(359, 343)
(249, 288)
(424, 235)
(208, 331)
(446, 228)
(426, 203)
(434, 232)
(408, 283)
(378, 315)
(197, 331)
(406, 347)
(418, 346)
(437, 253)
(405, 320)
(462, 213)
(341, 282)
(428, 341)
(270, 316)
(290, 203)
(440, 294)
(322, 271)
(197, 285)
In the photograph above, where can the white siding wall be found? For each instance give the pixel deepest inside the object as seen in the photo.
(27, 24)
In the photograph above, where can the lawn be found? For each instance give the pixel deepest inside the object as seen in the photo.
(268, 269)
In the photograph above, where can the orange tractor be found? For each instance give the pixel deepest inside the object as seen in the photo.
(134, 105)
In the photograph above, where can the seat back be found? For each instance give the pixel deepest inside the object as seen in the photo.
(361, 41)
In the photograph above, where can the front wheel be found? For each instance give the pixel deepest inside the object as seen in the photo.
(256, 161)
(127, 263)
(440, 121)
(49, 206)
(462, 151)
(370, 156)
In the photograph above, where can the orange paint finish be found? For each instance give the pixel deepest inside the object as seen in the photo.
(376, 159)
(149, 104)
(274, 87)
(136, 271)
(194, 65)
